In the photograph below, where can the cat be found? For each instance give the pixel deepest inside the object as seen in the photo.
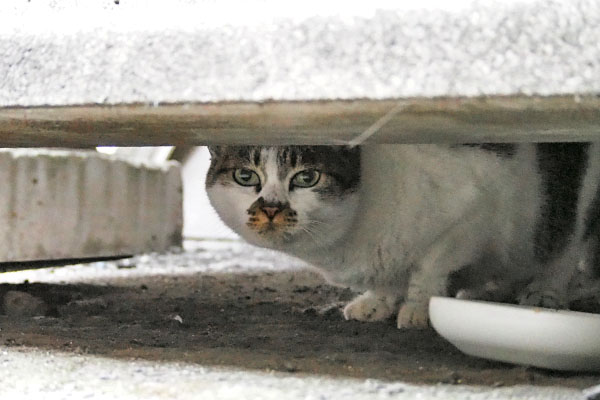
(397, 221)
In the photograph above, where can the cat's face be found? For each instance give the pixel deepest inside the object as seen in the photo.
(287, 197)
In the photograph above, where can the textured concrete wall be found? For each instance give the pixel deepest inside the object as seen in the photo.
(59, 204)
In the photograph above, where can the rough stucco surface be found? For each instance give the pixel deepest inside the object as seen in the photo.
(75, 52)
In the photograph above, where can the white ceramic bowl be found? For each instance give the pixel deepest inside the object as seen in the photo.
(563, 340)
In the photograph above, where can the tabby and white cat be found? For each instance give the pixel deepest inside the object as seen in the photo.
(397, 220)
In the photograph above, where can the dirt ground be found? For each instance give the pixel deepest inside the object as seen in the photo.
(285, 320)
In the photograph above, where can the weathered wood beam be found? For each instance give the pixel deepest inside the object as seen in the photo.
(491, 119)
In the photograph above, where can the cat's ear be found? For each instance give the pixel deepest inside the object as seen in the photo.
(215, 151)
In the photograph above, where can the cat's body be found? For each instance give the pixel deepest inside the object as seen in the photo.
(410, 215)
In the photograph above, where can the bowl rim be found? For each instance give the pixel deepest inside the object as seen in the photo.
(515, 307)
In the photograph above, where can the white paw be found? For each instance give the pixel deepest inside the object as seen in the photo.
(370, 307)
(413, 316)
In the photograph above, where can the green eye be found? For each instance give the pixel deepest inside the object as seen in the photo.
(305, 179)
(246, 177)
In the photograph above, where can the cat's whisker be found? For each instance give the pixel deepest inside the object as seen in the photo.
(310, 234)
(315, 221)
(317, 224)
(311, 227)
(320, 230)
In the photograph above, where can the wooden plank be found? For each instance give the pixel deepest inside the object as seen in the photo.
(492, 119)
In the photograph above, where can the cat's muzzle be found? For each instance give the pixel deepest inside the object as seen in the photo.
(271, 217)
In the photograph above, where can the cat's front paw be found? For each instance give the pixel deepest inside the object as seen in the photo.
(413, 316)
(370, 307)
(548, 298)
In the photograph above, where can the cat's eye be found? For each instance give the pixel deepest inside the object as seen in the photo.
(305, 179)
(246, 177)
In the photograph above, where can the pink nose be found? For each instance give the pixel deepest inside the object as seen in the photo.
(270, 211)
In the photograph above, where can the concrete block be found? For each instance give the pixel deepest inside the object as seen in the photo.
(76, 204)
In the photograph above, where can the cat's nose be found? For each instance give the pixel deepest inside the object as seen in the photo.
(270, 211)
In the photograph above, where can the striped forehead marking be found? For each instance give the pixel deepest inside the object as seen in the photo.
(270, 165)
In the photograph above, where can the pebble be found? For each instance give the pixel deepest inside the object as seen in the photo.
(92, 306)
(289, 367)
(126, 263)
(23, 305)
(453, 378)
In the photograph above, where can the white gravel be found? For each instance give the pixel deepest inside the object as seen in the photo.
(34, 374)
